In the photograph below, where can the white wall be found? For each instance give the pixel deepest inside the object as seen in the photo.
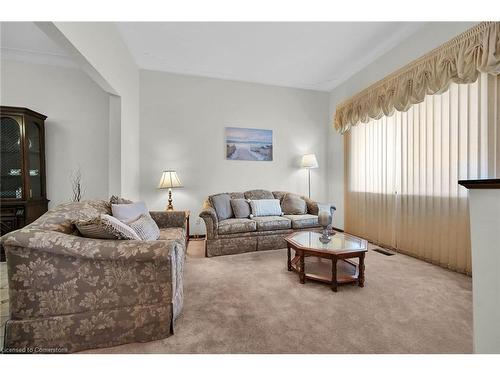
(100, 50)
(429, 37)
(76, 130)
(182, 127)
(484, 206)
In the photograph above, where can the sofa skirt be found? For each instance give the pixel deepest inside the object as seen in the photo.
(93, 329)
(246, 242)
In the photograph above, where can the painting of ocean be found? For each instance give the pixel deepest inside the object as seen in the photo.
(249, 144)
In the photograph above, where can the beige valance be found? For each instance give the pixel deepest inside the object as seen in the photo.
(460, 60)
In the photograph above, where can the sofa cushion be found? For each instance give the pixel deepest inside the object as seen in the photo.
(241, 208)
(293, 205)
(62, 217)
(272, 223)
(173, 233)
(279, 194)
(303, 221)
(222, 205)
(259, 194)
(230, 226)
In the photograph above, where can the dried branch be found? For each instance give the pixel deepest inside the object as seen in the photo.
(76, 185)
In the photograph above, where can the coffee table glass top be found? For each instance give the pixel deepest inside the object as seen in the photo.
(340, 242)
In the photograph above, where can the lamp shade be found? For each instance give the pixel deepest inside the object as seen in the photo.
(309, 161)
(169, 179)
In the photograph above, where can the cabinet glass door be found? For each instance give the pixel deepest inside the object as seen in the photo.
(34, 160)
(11, 173)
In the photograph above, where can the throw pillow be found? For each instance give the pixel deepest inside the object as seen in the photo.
(106, 227)
(241, 208)
(129, 212)
(266, 207)
(222, 205)
(146, 228)
(293, 205)
(119, 200)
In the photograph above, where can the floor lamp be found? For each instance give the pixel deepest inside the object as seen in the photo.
(309, 161)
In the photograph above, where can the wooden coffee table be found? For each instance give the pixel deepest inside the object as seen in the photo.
(310, 252)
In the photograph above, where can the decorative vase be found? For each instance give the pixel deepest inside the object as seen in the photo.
(325, 220)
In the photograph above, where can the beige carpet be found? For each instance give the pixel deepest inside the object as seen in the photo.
(250, 303)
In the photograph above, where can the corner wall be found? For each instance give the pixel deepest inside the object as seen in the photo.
(102, 53)
(76, 129)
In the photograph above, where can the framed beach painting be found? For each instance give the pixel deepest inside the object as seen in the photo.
(249, 144)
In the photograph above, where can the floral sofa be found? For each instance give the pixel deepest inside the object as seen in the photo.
(233, 236)
(69, 293)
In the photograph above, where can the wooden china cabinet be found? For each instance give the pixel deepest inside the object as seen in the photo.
(23, 195)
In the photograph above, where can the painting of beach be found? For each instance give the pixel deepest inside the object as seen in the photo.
(249, 144)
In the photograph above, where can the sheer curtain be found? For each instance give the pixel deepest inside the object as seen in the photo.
(402, 172)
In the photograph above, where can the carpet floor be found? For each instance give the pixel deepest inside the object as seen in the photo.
(250, 303)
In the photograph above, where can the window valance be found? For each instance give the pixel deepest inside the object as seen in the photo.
(460, 60)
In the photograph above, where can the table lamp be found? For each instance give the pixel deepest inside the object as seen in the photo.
(309, 161)
(169, 180)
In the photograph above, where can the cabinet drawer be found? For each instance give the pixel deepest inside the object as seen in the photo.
(8, 211)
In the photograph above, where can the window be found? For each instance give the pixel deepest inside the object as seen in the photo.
(402, 172)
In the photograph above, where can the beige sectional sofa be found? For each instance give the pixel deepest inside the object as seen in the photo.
(239, 235)
(69, 293)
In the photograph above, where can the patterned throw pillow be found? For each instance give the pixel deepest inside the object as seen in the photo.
(293, 205)
(146, 228)
(266, 207)
(106, 227)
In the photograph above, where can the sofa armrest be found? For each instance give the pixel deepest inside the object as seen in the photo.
(313, 208)
(169, 219)
(209, 216)
(80, 247)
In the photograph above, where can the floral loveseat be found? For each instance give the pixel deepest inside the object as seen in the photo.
(233, 236)
(69, 293)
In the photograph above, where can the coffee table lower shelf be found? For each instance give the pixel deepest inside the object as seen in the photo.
(332, 270)
(319, 269)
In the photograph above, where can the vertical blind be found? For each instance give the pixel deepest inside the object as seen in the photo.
(402, 172)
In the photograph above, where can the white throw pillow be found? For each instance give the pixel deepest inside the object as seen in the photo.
(146, 228)
(266, 207)
(129, 212)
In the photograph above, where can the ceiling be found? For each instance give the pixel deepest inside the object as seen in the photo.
(309, 55)
(24, 41)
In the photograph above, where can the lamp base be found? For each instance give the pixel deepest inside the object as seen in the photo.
(170, 206)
